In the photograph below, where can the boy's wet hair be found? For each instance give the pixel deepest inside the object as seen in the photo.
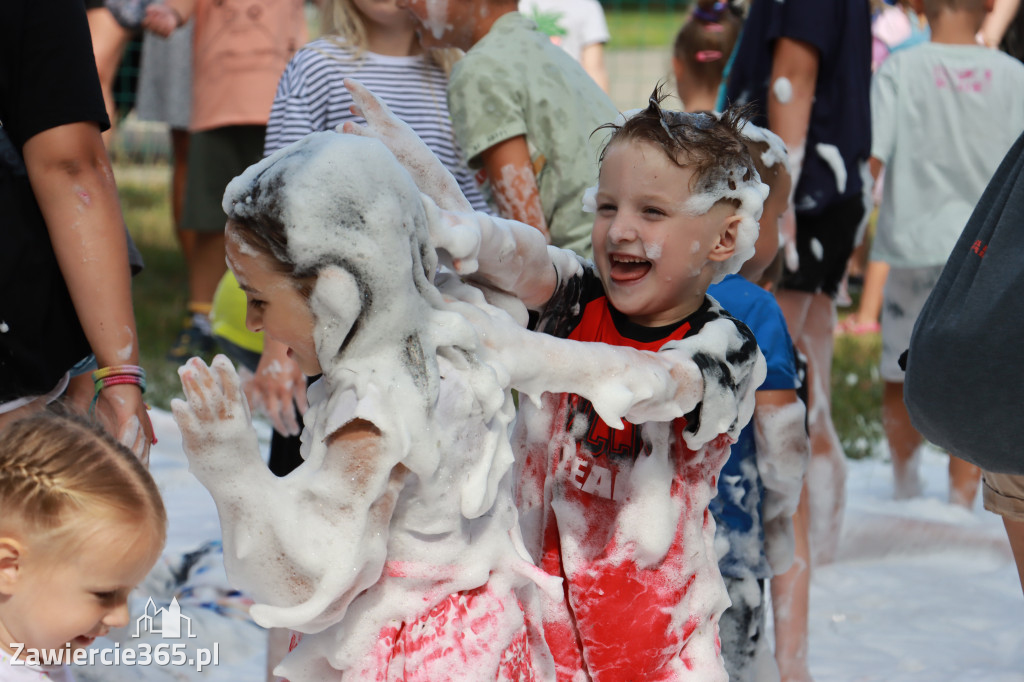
(712, 146)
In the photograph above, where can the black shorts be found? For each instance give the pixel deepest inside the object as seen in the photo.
(824, 242)
(215, 157)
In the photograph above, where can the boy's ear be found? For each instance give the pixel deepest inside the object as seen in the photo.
(11, 555)
(725, 247)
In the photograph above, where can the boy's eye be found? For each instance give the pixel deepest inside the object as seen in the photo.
(654, 210)
(605, 208)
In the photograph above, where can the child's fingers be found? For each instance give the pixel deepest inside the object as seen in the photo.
(352, 128)
(197, 383)
(231, 388)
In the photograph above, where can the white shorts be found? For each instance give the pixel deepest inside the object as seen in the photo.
(906, 291)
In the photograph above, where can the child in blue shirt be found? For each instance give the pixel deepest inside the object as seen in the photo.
(759, 487)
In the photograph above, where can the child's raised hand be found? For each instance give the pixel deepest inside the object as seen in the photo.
(278, 389)
(161, 19)
(216, 427)
(430, 175)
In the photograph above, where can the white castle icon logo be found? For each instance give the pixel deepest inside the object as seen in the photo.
(165, 622)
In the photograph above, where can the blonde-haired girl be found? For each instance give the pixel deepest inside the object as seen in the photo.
(81, 524)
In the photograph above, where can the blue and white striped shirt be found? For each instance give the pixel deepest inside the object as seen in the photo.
(311, 97)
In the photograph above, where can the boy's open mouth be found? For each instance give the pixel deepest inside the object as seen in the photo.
(628, 268)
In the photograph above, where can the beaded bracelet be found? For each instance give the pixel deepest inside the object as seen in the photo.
(116, 375)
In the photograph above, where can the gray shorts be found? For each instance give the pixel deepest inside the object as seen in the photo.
(906, 291)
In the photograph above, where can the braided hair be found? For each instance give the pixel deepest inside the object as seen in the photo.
(57, 469)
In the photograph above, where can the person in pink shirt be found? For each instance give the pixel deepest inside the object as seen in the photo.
(239, 53)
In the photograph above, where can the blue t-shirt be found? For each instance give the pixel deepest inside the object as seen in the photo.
(841, 114)
(737, 507)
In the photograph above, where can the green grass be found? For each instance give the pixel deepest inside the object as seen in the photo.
(644, 29)
(159, 290)
(159, 293)
(857, 393)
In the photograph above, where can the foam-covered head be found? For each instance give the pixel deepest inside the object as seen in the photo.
(772, 163)
(340, 205)
(713, 148)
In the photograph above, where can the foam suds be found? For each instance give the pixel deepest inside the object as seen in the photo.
(783, 454)
(782, 90)
(361, 536)
(729, 183)
(831, 155)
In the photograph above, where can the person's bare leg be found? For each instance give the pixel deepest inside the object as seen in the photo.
(870, 308)
(904, 441)
(179, 150)
(790, 604)
(1015, 534)
(109, 39)
(811, 320)
(964, 479)
(207, 266)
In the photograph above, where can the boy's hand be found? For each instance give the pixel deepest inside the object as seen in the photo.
(430, 175)
(216, 427)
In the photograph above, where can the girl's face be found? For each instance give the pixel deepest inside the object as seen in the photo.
(275, 306)
(60, 595)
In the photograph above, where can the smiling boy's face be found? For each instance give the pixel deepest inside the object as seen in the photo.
(655, 257)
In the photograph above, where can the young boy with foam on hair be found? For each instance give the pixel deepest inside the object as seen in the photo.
(522, 110)
(619, 510)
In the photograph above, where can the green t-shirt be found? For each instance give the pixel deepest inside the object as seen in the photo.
(514, 81)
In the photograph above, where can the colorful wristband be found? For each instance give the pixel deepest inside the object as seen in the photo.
(114, 376)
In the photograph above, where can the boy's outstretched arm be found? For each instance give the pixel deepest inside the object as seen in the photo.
(783, 452)
(278, 531)
(717, 370)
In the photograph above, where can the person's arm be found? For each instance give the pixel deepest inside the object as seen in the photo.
(717, 369)
(592, 60)
(164, 18)
(505, 254)
(790, 98)
(997, 21)
(783, 452)
(514, 183)
(74, 186)
(343, 496)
